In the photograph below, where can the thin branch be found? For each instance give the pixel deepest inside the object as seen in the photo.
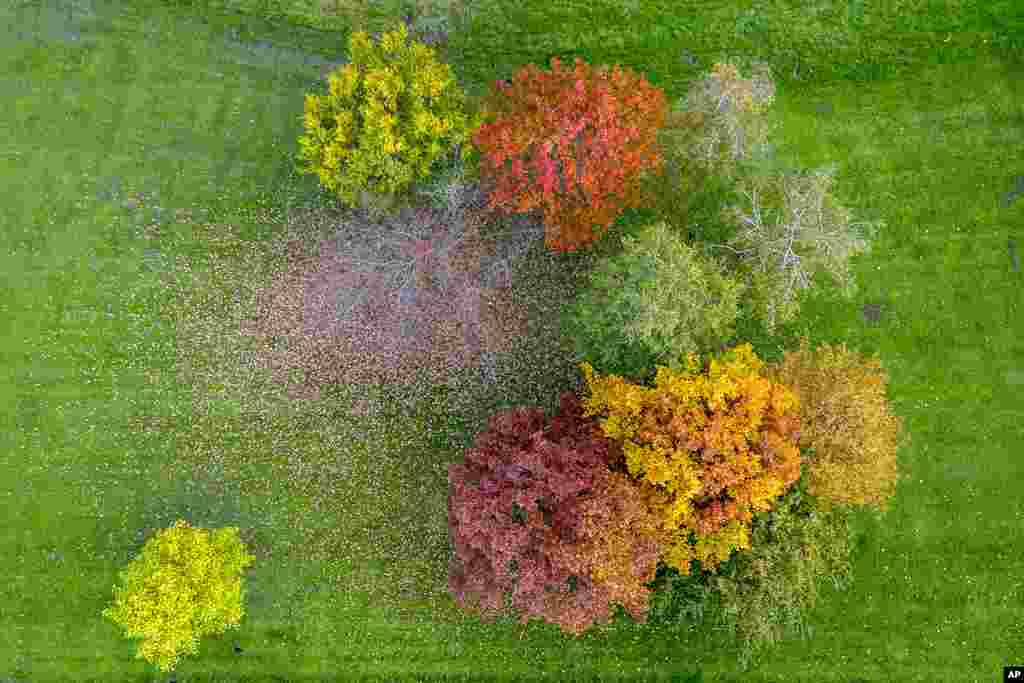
(779, 242)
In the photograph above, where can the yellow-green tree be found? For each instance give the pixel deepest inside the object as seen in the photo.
(656, 300)
(185, 584)
(388, 116)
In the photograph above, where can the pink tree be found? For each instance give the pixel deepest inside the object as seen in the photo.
(407, 301)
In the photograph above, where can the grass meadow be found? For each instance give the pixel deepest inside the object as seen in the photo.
(146, 170)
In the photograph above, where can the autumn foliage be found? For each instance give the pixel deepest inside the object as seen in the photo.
(587, 135)
(733, 113)
(389, 114)
(409, 302)
(573, 517)
(535, 514)
(186, 584)
(707, 449)
(847, 424)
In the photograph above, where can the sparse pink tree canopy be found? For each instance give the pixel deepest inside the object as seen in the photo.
(404, 301)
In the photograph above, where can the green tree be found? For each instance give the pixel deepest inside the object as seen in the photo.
(657, 300)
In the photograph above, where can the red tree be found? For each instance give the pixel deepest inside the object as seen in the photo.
(529, 518)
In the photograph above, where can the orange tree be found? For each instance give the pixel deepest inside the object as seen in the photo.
(587, 135)
(705, 448)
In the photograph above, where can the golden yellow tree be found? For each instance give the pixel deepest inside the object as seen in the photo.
(847, 427)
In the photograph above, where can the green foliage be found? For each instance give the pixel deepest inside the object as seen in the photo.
(707, 448)
(185, 585)
(763, 593)
(709, 139)
(681, 599)
(389, 115)
(587, 136)
(656, 301)
(758, 595)
(690, 199)
(846, 424)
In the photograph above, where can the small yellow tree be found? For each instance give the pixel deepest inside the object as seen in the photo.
(186, 584)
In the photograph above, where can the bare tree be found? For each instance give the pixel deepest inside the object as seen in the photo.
(407, 301)
(812, 232)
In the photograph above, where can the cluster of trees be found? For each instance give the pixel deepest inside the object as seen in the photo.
(690, 465)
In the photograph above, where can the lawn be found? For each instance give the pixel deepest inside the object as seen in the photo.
(149, 196)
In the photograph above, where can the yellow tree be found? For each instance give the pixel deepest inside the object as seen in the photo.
(706, 449)
(185, 584)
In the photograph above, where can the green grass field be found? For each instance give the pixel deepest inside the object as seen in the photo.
(147, 143)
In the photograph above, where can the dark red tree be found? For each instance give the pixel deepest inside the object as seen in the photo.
(527, 510)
